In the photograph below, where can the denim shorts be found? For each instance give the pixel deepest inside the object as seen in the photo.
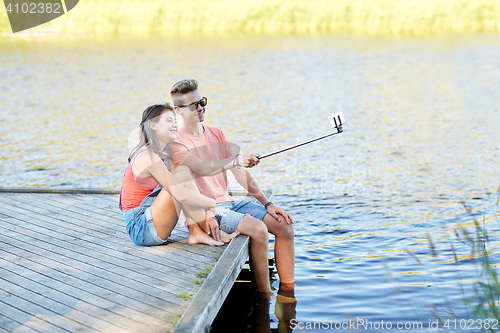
(140, 226)
(230, 213)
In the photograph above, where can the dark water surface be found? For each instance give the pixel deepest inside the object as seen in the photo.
(421, 135)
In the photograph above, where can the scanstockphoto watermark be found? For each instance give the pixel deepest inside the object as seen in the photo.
(365, 324)
(26, 14)
(357, 324)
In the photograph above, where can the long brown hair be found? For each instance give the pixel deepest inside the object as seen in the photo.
(147, 135)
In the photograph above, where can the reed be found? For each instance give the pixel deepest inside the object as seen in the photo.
(396, 18)
(484, 305)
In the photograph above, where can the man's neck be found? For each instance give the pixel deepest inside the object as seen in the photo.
(193, 129)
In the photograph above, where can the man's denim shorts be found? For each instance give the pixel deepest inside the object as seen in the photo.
(140, 226)
(230, 213)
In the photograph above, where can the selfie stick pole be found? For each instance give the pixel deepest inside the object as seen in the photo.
(336, 121)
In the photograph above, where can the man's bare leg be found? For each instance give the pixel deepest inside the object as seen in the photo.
(259, 241)
(284, 247)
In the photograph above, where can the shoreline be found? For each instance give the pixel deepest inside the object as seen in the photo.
(378, 18)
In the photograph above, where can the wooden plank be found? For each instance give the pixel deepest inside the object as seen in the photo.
(203, 309)
(75, 219)
(155, 288)
(119, 223)
(87, 313)
(136, 291)
(48, 299)
(77, 238)
(147, 277)
(46, 273)
(40, 307)
(58, 190)
(106, 233)
(118, 314)
(76, 234)
(144, 265)
(9, 325)
(179, 230)
(93, 254)
(28, 320)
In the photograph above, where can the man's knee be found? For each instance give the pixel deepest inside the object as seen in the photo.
(256, 228)
(281, 229)
(286, 230)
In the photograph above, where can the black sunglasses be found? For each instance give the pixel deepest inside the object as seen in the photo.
(194, 106)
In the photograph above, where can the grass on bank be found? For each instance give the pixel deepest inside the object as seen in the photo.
(484, 306)
(215, 17)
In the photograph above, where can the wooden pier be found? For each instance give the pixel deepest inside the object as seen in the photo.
(67, 264)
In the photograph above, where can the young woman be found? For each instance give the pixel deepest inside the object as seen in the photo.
(152, 214)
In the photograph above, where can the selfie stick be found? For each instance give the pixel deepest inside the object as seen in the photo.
(336, 121)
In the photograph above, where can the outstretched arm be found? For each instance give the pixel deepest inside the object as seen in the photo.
(211, 168)
(218, 157)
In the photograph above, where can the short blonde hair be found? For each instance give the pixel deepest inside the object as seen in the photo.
(181, 88)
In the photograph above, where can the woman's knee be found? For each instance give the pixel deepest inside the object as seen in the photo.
(183, 173)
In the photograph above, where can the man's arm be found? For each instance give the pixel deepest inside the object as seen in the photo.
(182, 156)
(245, 179)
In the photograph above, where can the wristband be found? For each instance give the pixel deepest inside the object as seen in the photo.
(235, 161)
(269, 203)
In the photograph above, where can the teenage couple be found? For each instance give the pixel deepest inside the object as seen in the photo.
(184, 169)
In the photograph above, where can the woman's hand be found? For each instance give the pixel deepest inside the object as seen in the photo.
(212, 225)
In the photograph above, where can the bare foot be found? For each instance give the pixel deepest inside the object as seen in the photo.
(226, 238)
(197, 236)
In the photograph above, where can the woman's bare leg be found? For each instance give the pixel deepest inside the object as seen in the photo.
(164, 213)
(226, 238)
(196, 217)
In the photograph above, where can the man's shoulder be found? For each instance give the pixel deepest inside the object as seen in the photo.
(175, 146)
(214, 131)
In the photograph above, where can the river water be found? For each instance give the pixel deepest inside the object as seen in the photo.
(421, 136)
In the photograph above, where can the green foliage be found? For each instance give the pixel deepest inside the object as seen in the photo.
(205, 272)
(487, 290)
(185, 295)
(173, 320)
(196, 17)
(484, 305)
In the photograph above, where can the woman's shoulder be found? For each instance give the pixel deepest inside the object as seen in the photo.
(146, 155)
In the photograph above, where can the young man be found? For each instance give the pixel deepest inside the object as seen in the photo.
(198, 144)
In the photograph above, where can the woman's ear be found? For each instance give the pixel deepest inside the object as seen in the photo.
(153, 126)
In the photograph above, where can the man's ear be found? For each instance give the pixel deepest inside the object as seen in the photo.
(178, 110)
